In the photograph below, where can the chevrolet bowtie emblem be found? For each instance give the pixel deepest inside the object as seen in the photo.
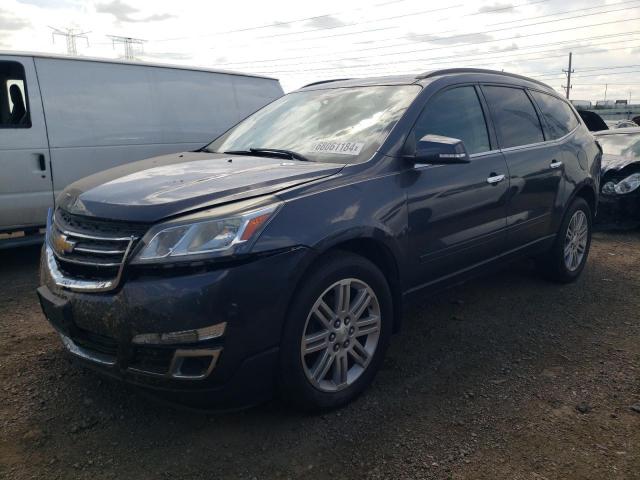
(62, 244)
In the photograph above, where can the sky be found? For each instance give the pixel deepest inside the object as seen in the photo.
(302, 42)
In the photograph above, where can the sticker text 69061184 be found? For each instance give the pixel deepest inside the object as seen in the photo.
(340, 148)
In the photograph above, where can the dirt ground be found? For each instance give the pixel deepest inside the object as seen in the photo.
(507, 376)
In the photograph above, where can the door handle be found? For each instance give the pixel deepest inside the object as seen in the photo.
(41, 162)
(556, 164)
(493, 179)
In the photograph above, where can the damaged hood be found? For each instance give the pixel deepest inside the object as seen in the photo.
(617, 162)
(153, 189)
(621, 148)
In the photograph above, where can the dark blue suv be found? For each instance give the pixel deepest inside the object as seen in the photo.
(279, 257)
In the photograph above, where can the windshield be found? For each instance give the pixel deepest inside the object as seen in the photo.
(341, 125)
(625, 145)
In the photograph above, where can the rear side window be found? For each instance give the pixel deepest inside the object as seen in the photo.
(455, 113)
(558, 116)
(14, 110)
(515, 119)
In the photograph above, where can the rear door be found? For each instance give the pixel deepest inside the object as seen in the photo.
(457, 213)
(535, 164)
(25, 176)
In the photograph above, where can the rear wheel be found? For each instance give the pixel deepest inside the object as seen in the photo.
(566, 259)
(336, 333)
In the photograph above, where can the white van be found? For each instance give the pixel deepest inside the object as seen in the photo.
(63, 118)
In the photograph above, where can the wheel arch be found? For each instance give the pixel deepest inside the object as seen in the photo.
(374, 249)
(588, 193)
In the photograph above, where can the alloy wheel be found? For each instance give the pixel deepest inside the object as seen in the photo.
(575, 241)
(341, 335)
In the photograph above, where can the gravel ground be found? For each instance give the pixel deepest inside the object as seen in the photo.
(505, 377)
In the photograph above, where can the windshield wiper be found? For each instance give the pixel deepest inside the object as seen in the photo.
(276, 151)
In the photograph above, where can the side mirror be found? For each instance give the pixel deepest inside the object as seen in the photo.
(439, 150)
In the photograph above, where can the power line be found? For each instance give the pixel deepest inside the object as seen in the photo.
(563, 13)
(366, 69)
(440, 48)
(70, 35)
(323, 37)
(477, 34)
(413, 14)
(493, 10)
(482, 64)
(480, 33)
(500, 55)
(423, 12)
(612, 67)
(290, 22)
(600, 84)
(600, 74)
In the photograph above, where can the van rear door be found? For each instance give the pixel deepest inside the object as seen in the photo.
(26, 190)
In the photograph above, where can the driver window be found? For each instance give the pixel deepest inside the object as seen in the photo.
(14, 108)
(456, 113)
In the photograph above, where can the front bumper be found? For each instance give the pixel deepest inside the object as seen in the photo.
(238, 368)
(619, 211)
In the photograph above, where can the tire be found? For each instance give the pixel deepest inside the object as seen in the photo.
(555, 264)
(310, 341)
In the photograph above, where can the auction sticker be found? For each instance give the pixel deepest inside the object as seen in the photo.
(341, 148)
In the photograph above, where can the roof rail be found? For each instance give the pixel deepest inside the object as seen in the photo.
(449, 71)
(325, 81)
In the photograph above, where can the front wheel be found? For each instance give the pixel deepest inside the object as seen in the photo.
(566, 259)
(336, 333)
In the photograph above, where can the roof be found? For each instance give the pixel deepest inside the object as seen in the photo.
(419, 79)
(56, 56)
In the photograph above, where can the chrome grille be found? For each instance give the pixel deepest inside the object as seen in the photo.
(86, 253)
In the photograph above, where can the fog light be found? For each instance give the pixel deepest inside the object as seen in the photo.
(193, 364)
(183, 336)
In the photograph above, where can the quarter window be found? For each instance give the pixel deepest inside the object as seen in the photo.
(14, 109)
(514, 117)
(455, 113)
(558, 116)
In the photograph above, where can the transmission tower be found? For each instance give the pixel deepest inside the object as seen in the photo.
(70, 35)
(129, 45)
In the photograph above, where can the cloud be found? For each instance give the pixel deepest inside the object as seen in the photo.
(453, 40)
(278, 24)
(326, 21)
(8, 21)
(167, 55)
(49, 3)
(506, 48)
(123, 12)
(496, 8)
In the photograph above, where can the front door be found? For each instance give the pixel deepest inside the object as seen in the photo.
(457, 213)
(25, 176)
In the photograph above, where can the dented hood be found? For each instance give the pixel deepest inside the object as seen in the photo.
(160, 187)
(617, 162)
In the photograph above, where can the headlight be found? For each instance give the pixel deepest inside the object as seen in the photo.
(628, 185)
(204, 235)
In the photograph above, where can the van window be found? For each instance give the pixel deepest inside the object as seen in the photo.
(14, 108)
(558, 116)
(455, 113)
(515, 119)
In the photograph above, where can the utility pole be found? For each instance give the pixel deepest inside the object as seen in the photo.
(569, 71)
(71, 35)
(606, 86)
(129, 43)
